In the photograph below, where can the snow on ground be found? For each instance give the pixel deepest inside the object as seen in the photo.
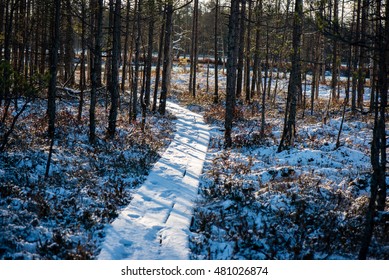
(155, 225)
(307, 202)
(63, 217)
(254, 203)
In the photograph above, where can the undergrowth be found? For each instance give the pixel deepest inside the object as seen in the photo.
(63, 217)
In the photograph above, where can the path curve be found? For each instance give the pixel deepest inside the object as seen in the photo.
(155, 225)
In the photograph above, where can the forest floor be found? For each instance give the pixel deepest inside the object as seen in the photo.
(308, 202)
(63, 217)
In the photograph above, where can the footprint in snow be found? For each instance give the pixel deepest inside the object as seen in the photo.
(166, 194)
(152, 234)
(125, 243)
(134, 216)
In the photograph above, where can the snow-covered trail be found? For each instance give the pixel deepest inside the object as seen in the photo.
(155, 225)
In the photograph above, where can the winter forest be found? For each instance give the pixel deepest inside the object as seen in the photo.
(187, 129)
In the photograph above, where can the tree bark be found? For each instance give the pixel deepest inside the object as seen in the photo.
(69, 45)
(149, 59)
(294, 88)
(231, 70)
(113, 86)
(379, 142)
(82, 66)
(159, 59)
(194, 50)
(241, 34)
(95, 61)
(248, 54)
(216, 23)
(256, 80)
(167, 58)
(51, 108)
(125, 48)
(136, 63)
(362, 54)
(334, 81)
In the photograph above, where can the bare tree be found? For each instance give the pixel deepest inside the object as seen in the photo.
(241, 34)
(231, 70)
(51, 108)
(113, 86)
(216, 49)
(159, 59)
(194, 50)
(378, 186)
(149, 58)
(167, 57)
(294, 87)
(95, 61)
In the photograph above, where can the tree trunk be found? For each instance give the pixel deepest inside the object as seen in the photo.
(113, 87)
(51, 108)
(194, 50)
(69, 46)
(383, 86)
(158, 67)
(256, 80)
(248, 54)
(149, 59)
(294, 88)
(82, 66)
(2, 15)
(378, 144)
(167, 58)
(241, 34)
(355, 58)
(231, 70)
(334, 81)
(136, 63)
(216, 93)
(362, 54)
(5, 88)
(95, 61)
(125, 48)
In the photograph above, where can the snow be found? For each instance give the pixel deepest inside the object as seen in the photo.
(250, 202)
(155, 225)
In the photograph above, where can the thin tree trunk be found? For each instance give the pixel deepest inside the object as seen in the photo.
(82, 67)
(216, 93)
(125, 48)
(51, 108)
(362, 54)
(334, 80)
(114, 84)
(231, 70)
(289, 131)
(355, 58)
(159, 60)
(193, 52)
(136, 63)
(379, 143)
(95, 61)
(149, 59)
(248, 54)
(167, 58)
(69, 49)
(257, 66)
(241, 34)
